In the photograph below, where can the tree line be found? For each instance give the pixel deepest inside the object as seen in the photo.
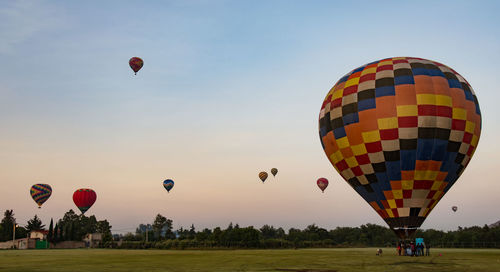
(160, 234)
(71, 227)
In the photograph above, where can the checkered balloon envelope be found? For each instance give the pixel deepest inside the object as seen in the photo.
(401, 131)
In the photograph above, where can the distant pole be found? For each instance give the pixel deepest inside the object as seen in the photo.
(14, 225)
(146, 233)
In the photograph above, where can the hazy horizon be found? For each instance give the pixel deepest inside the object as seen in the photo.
(228, 89)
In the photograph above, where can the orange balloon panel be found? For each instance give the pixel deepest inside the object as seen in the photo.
(401, 131)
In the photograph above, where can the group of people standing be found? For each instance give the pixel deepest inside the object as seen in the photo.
(413, 249)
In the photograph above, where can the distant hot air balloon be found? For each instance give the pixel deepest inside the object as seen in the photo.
(84, 199)
(40, 193)
(454, 208)
(168, 184)
(401, 131)
(322, 184)
(263, 176)
(136, 64)
(274, 171)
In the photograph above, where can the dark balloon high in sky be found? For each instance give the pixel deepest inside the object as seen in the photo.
(136, 64)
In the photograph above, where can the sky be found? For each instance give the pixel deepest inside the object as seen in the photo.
(228, 89)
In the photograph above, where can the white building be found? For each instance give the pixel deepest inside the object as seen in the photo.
(39, 234)
(92, 239)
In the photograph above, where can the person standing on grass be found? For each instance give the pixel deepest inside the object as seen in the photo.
(412, 249)
(399, 248)
(427, 249)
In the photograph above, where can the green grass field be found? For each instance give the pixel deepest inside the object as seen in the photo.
(247, 260)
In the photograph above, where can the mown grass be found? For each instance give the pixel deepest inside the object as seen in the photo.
(312, 260)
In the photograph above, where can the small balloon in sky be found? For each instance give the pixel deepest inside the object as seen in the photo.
(40, 193)
(454, 208)
(274, 171)
(263, 176)
(84, 199)
(168, 184)
(136, 64)
(322, 184)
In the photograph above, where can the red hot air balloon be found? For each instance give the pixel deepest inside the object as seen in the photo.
(136, 64)
(84, 199)
(322, 184)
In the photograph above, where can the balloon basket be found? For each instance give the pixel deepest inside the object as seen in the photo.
(405, 233)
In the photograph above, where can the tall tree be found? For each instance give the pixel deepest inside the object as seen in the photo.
(162, 225)
(55, 238)
(50, 235)
(192, 232)
(104, 228)
(60, 232)
(87, 225)
(158, 224)
(180, 233)
(7, 223)
(268, 232)
(34, 224)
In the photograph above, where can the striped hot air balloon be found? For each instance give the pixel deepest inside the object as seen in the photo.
(274, 171)
(401, 131)
(40, 193)
(263, 176)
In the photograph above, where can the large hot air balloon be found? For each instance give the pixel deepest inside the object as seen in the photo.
(136, 64)
(40, 193)
(401, 131)
(274, 171)
(263, 176)
(84, 199)
(454, 208)
(322, 184)
(168, 184)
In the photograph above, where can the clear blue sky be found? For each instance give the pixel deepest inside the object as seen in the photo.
(229, 88)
